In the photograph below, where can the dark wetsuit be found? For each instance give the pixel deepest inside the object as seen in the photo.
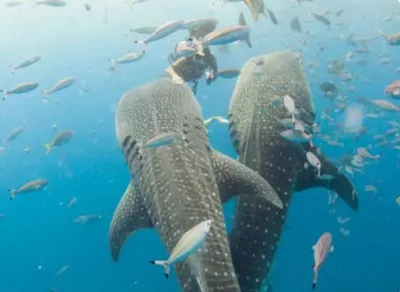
(191, 69)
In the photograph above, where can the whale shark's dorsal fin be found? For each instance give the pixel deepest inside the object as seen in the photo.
(129, 216)
(234, 178)
(307, 178)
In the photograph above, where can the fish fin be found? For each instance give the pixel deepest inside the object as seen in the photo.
(242, 20)
(12, 70)
(235, 178)
(129, 216)
(45, 94)
(140, 42)
(248, 41)
(48, 147)
(5, 95)
(340, 183)
(332, 248)
(13, 193)
(164, 264)
(381, 34)
(254, 12)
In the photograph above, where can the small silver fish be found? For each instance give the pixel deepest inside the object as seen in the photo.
(126, 59)
(10, 4)
(227, 35)
(62, 270)
(131, 57)
(295, 25)
(144, 30)
(163, 31)
(343, 220)
(60, 85)
(321, 18)
(72, 202)
(61, 139)
(364, 153)
(54, 3)
(314, 162)
(215, 118)
(20, 88)
(25, 63)
(290, 106)
(190, 242)
(84, 219)
(161, 140)
(199, 22)
(382, 104)
(30, 186)
(186, 48)
(14, 134)
(296, 136)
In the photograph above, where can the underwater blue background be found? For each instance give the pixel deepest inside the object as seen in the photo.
(38, 229)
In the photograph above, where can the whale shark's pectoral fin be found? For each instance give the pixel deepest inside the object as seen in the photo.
(129, 216)
(234, 178)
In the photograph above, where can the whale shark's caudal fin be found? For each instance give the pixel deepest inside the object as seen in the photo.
(234, 178)
(340, 184)
(129, 216)
(307, 178)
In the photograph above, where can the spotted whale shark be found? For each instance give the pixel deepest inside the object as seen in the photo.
(255, 131)
(177, 186)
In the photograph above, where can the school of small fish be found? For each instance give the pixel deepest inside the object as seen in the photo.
(362, 128)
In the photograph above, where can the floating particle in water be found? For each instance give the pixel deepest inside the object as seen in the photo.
(345, 231)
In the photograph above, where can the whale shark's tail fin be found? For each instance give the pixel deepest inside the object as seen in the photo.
(339, 182)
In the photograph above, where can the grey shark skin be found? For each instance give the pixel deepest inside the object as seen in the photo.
(174, 187)
(254, 128)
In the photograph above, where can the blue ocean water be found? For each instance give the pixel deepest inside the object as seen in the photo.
(38, 235)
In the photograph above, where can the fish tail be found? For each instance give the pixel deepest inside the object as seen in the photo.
(48, 147)
(12, 70)
(164, 264)
(381, 34)
(5, 95)
(13, 193)
(45, 94)
(376, 157)
(140, 42)
(248, 41)
(314, 284)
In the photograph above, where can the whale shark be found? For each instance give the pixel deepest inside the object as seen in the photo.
(176, 186)
(254, 125)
